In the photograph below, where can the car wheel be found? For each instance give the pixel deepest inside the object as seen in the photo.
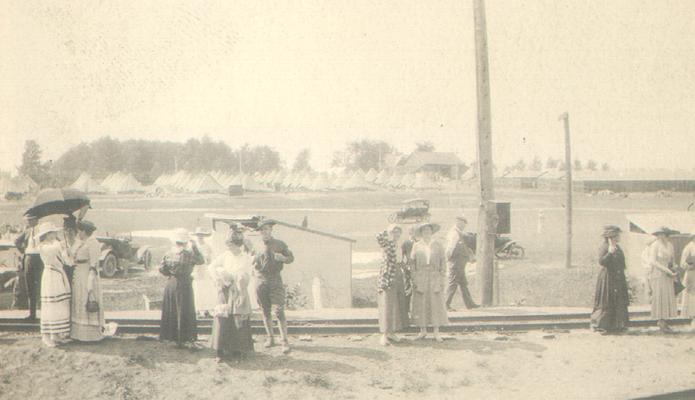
(109, 266)
(517, 252)
(147, 260)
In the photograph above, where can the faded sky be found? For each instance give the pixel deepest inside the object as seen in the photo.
(315, 74)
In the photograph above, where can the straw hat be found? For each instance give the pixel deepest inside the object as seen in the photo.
(462, 217)
(180, 236)
(435, 227)
(46, 228)
(393, 227)
(611, 231)
(201, 232)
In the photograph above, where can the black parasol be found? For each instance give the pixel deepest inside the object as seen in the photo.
(57, 201)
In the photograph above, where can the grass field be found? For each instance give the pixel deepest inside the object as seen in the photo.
(539, 279)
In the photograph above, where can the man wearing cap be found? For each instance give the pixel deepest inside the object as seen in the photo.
(32, 266)
(270, 290)
(458, 255)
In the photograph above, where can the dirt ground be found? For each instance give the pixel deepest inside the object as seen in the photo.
(569, 365)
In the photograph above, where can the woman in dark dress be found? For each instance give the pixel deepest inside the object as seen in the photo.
(611, 300)
(178, 307)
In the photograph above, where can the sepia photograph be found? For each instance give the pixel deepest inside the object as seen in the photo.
(371, 199)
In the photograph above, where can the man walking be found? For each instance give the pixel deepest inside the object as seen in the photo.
(28, 243)
(270, 289)
(458, 255)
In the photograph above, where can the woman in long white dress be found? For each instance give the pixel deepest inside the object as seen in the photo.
(688, 265)
(428, 307)
(86, 325)
(204, 291)
(231, 272)
(661, 279)
(55, 286)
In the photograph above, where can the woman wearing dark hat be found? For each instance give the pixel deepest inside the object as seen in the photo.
(393, 310)
(231, 271)
(611, 299)
(178, 308)
(429, 271)
(86, 322)
(661, 278)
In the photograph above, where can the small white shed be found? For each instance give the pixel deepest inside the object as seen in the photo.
(319, 257)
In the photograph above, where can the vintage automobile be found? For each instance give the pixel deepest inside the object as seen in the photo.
(413, 210)
(118, 253)
(9, 260)
(505, 247)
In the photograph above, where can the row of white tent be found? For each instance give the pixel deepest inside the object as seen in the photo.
(219, 182)
(117, 182)
(17, 185)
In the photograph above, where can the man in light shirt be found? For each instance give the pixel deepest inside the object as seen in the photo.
(458, 255)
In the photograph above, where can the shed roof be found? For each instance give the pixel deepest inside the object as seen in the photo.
(225, 218)
(683, 222)
(421, 158)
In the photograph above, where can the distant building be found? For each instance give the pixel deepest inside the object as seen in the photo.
(621, 181)
(433, 162)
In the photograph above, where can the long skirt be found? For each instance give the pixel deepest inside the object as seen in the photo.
(663, 298)
(688, 310)
(55, 301)
(428, 306)
(85, 326)
(178, 312)
(204, 290)
(610, 301)
(230, 334)
(393, 308)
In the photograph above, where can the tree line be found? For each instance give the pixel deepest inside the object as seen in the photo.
(148, 159)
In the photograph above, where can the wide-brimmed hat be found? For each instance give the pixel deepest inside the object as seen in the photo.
(664, 231)
(393, 227)
(87, 226)
(46, 228)
(462, 217)
(265, 222)
(180, 236)
(435, 227)
(611, 231)
(202, 232)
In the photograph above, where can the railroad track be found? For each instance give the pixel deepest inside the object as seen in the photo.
(367, 326)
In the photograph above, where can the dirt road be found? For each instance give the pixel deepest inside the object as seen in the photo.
(576, 365)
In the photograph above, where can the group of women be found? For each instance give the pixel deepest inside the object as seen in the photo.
(410, 283)
(70, 290)
(230, 274)
(664, 282)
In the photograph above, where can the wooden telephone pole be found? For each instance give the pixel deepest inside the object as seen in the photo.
(568, 202)
(487, 223)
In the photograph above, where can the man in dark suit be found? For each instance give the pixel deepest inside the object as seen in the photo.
(458, 255)
(32, 267)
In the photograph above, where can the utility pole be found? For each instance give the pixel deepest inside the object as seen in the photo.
(487, 213)
(241, 151)
(568, 202)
